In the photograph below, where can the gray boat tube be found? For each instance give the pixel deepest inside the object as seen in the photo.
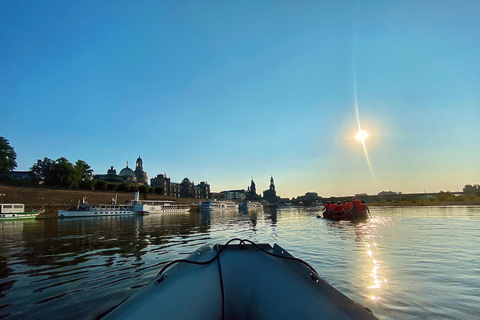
(239, 281)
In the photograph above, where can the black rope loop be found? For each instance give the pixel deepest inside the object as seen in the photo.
(241, 241)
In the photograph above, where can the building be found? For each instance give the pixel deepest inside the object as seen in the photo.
(185, 189)
(162, 184)
(140, 175)
(271, 195)
(252, 192)
(204, 190)
(252, 189)
(308, 199)
(24, 176)
(112, 176)
(234, 194)
(388, 193)
(137, 177)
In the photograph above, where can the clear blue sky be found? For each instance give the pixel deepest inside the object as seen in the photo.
(225, 90)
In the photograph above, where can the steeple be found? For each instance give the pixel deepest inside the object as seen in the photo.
(252, 189)
(272, 184)
(139, 173)
(139, 163)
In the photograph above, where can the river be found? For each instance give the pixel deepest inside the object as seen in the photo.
(404, 263)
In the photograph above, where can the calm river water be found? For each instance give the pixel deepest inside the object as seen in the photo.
(405, 263)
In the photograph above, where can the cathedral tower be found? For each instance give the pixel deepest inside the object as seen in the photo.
(139, 173)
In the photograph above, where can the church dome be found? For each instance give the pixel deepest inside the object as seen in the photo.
(127, 173)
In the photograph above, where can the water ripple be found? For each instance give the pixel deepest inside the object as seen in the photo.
(407, 263)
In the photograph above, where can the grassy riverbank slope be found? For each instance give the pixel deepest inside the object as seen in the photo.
(405, 203)
(415, 199)
(454, 201)
(53, 200)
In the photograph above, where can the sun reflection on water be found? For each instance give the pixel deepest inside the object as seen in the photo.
(376, 281)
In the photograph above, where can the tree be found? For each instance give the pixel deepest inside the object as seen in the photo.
(42, 168)
(84, 175)
(124, 186)
(62, 174)
(101, 185)
(7, 158)
(469, 189)
(84, 172)
(87, 184)
(112, 186)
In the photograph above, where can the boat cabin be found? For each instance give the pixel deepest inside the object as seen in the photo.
(12, 208)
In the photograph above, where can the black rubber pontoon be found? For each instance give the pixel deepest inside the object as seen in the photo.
(239, 281)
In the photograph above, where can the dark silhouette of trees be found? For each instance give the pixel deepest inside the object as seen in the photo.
(62, 173)
(84, 174)
(469, 189)
(7, 158)
(100, 185)
(42, 168)
(112, 186)
(123, 187)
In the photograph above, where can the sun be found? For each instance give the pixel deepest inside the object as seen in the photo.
(361, 136)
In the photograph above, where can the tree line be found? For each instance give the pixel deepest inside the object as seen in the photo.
(61, 173)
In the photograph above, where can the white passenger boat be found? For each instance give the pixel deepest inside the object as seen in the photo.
(16, 211)
(160, 206)
(250, 205)
(99, 210)
(135, 207)
(217, 205)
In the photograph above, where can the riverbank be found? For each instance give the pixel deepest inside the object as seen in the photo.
(424, 203)
(53, 200)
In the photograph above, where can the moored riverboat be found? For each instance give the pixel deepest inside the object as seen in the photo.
(213, 205)
(247, 204)
(99, 210)
(239, 281)
(135, 207)
(16, 211)
(160, 206)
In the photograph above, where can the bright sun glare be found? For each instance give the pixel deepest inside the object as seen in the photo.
(361, 135)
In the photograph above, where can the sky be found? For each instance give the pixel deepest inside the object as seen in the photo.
(227, 91)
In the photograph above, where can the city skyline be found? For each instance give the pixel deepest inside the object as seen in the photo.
(259, 190)
(221, 92)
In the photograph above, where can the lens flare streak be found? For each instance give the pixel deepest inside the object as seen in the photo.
(357, 114)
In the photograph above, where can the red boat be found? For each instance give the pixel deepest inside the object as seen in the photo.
(355, 215)
(355, 210)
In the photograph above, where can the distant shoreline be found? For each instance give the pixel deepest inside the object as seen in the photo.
(437, 204)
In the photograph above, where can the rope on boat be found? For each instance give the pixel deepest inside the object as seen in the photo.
(216, 257)
(218, 252)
